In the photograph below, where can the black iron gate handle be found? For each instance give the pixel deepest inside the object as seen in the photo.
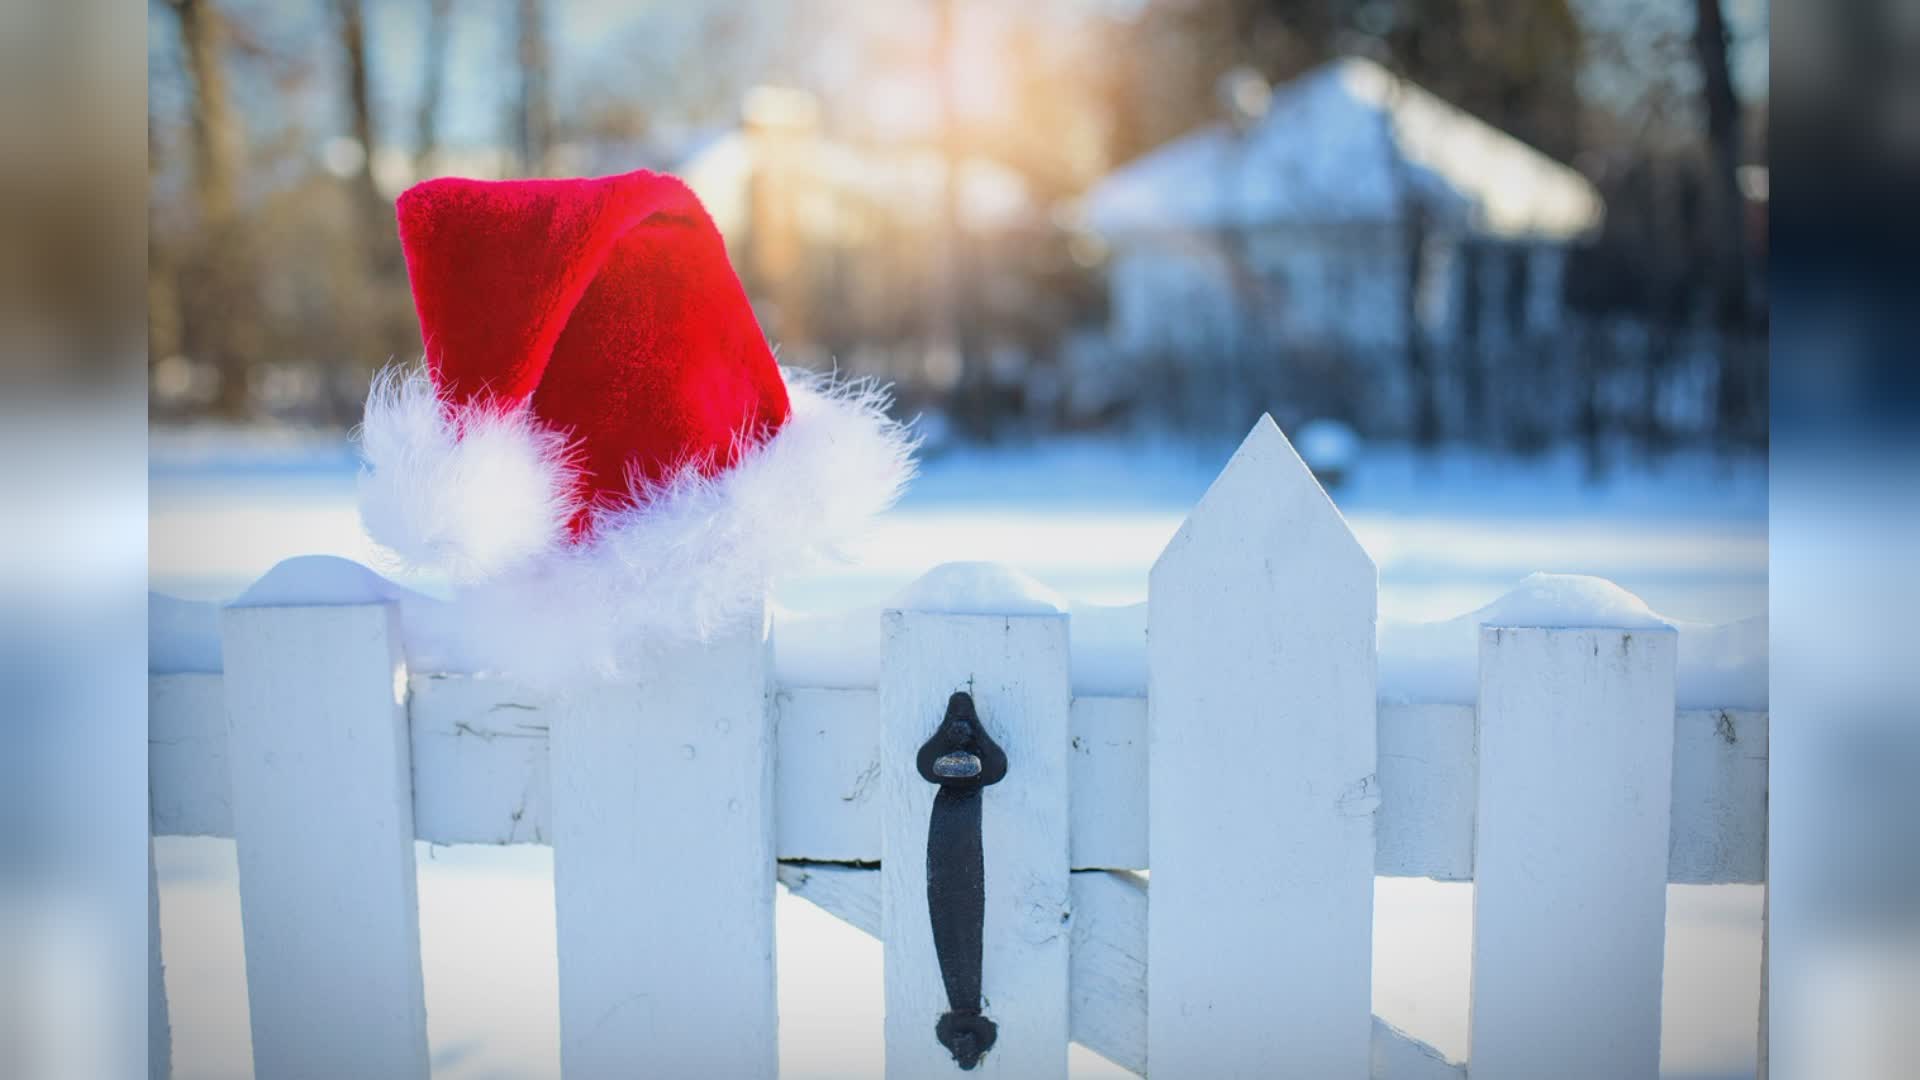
(962, 758)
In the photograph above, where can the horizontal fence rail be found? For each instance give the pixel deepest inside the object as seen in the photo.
(480, 777)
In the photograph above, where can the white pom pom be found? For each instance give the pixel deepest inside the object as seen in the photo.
(472, 493)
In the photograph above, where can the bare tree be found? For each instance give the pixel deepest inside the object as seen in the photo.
(426, 123)
(946, 318)
(218, 316)
(534, 119)
(350, 23)
(1734, 287)
(1723, 141)
(370, 303)
(216, 136)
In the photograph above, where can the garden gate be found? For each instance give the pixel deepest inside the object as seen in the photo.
(1260, 779)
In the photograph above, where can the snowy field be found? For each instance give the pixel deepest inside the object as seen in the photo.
(1449, 535)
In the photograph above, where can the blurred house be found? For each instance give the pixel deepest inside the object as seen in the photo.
(1342, 214)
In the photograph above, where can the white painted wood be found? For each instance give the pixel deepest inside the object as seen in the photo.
(828, 786)
(159, 1027)
(663, 867)
(1427, 792)
(1765, 1048)
(1261, 723)
(1397, 1055)
(1015, 666)
(1108, 1005)
(1108, 1010)
(480, 777)
(480, 771)
(323, 827)
(1719, 831)
(187, 783)
(1570, 877)
(1107, 770)
(849, 893)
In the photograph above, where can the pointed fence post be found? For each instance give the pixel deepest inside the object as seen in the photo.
(1015, 668)
(320, 763)
(1261, 728)
(663, 867)
(1571, 841)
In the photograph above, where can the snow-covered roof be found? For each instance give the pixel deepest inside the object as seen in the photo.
(1344, 143)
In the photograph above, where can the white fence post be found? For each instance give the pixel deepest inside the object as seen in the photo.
(1015, 666)
(1763, 1051)
(1261, 729)
(1570, 867)
(663, 867)
(159, 1030)
(323, 824)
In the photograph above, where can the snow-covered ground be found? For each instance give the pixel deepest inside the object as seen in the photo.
(1087, 518)
(1450, 534)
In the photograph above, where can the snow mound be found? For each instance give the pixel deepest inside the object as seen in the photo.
(978, 588)
(1569, 600)
(1439, 662)
(318, 580)
(1108, 648)
(183, 636)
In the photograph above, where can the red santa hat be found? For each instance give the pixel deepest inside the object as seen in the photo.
(601, 449)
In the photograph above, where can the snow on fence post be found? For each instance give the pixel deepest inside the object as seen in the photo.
(1015, 667)
(320, 765)
(1570, 868)
(1261, 730)
(663, 866)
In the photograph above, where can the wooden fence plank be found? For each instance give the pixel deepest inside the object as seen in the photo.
(480, 761)
(1397, 1055)
(159, 1027)
(1763, 1052)
(1108, 788)
(828, 786)
(1570, 876)
(480, 777)
(848, 893)
(1719, 831)
(1261, 699)
(323, 827)
(1427, 792)
(1015, 667)
(187, 785)
(1108, 1014)
(662, 801)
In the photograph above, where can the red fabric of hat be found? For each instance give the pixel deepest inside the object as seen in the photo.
(610, 303)
(600, 428)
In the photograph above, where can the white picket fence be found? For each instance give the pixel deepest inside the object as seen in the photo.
(1260, 771)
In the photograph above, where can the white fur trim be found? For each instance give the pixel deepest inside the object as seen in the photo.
(471, 493)
(694, 557)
